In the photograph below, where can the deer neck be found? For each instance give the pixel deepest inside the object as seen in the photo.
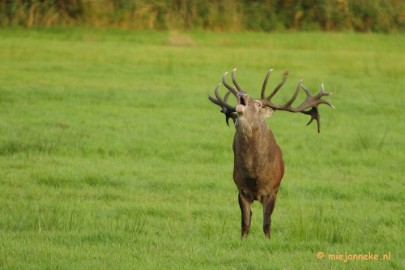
(249, 132)
(251, 140)
(252, 147)
(248, 150)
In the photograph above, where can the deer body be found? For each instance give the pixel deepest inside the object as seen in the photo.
(258, 162)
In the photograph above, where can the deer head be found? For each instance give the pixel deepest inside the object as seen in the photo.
(255, 111)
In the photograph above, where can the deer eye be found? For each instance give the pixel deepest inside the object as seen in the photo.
(258, 103)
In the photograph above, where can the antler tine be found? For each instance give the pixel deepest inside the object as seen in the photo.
(285, 75)
(235, 82)
(215, 101)
(323, 93)
(222, 102)
(227, 109)
(230, 88)
(286, 106)
(314, 113)
(226, 97)
(294, 97)
(262, 95)
(314, 100)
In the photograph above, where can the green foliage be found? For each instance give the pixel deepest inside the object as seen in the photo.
(111, 155)
(237, 15)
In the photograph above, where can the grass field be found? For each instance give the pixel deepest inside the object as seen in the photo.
(112, 157)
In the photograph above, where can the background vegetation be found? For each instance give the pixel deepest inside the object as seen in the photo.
(112, 157)
(356, 15)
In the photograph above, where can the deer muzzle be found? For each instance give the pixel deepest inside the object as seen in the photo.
(243, 99)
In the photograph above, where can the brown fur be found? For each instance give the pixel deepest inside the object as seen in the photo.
(258, 163)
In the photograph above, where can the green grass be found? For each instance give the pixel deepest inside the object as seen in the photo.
(112, 157)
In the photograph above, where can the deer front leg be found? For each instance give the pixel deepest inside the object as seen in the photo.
(268, 207)
(244, 204)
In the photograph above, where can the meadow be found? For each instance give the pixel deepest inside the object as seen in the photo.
(112, 157)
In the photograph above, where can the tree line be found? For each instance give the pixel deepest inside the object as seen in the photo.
(215, 15)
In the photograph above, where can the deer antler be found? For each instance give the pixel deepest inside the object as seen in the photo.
(310, 101)
(228, 110)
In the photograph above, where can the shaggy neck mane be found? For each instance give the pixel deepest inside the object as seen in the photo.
(245, 129)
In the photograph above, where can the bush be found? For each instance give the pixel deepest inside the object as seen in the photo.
(217, 15)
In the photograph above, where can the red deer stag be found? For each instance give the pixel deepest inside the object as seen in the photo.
(258, 162)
